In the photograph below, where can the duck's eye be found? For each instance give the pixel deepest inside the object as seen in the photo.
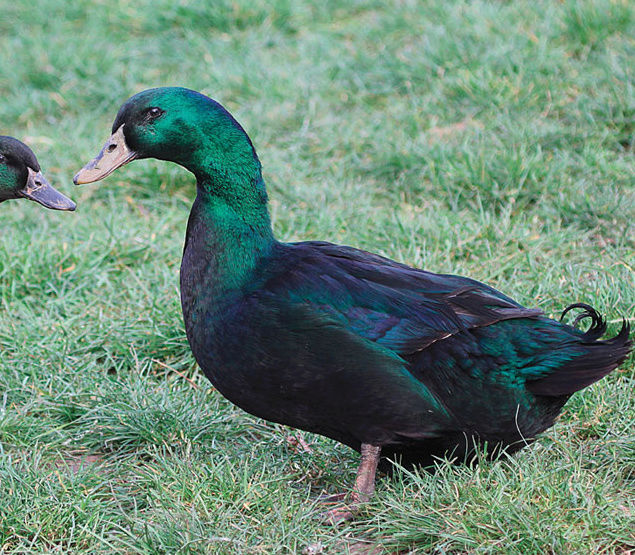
(153, 113)
(2, 158)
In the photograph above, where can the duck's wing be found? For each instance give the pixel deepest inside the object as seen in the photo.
(401, 308)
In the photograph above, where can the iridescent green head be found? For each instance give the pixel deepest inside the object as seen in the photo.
(21, 177)
(181, 126)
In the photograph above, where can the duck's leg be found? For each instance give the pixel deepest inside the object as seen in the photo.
(364, 485)
(365, 480)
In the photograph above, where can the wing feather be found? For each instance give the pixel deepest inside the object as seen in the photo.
(400, 308)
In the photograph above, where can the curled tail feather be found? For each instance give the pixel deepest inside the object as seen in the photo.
(597, 357)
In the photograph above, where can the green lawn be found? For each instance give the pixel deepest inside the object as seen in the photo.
(491, 139)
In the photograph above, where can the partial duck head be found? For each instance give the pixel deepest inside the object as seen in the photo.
(190, 129)
(21, 177)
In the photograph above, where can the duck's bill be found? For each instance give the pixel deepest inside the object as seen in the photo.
(37, 188)
(114, 155)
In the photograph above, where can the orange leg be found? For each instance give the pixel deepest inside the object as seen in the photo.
(364, 485)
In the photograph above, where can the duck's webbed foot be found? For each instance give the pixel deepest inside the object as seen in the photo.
(364, 486)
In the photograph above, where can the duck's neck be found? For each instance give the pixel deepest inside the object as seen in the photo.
(228, 233)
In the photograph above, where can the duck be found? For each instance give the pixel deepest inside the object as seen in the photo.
(21, 177)
(398, 363)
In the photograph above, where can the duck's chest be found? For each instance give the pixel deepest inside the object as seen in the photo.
(216, 281)
(218, 263)
(208, 300)
(232, 340)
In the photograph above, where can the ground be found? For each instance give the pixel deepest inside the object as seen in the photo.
(489, 139)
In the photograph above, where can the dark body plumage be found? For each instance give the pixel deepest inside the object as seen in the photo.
(341, 342)
(362, 349)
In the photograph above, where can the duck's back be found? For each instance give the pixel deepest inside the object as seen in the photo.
(366, 350)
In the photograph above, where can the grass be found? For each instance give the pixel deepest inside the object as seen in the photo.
(491, 139)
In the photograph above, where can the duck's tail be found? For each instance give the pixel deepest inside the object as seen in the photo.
(597, 357)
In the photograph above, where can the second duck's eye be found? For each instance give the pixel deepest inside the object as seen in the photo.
(153, 113)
